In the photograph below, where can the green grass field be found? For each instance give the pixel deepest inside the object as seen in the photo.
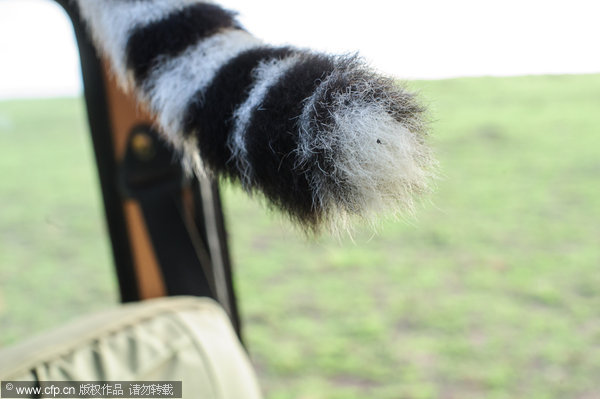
(491, 291)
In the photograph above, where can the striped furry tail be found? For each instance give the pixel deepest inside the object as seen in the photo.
(323, 137)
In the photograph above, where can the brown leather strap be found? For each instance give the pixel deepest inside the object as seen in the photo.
(125, 113)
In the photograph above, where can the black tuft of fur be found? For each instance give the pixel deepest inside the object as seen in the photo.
(173, 34)
(209, 114)
(273, 135)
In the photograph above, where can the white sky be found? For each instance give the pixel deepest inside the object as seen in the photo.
(407, 38)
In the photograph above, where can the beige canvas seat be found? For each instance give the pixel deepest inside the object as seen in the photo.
(184, 339)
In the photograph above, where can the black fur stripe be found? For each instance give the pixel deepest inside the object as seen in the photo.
(209, 115)
(173, 34)
(272, 138)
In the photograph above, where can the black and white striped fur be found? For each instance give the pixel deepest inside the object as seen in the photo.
(323, 137)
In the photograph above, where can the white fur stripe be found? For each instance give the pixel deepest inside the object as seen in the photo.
(306, 130)
(308, 143)
(111, 22)
(265, 75)
(382, 158)
(171, 85)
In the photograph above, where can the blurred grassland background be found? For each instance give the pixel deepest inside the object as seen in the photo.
(492, 291)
